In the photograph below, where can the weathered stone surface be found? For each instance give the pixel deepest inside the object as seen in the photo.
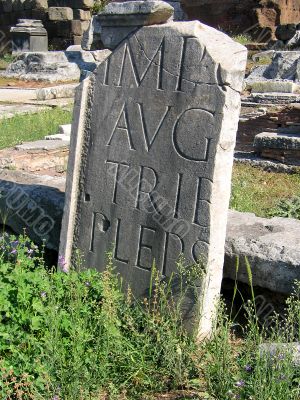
(55, 92)
(91, 39)
(79, 27)
(111, 36)
(275, 140)
(283, 65)
(136, 13)
(65, 129)
(77, 40)
(40, 145)
(83, 15)
(119, 20)
(179, 14)
(54, 66)
(294, 42)
(277, 86)
(48, 66)
(64, 133)
(275, 98)
(160, 129)
(279, 76)
(33, 203)
(271, 246)
(60, 13)
(285, 32)
(29, 35)
(40, 4)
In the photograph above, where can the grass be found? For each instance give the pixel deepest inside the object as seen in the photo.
(30, 127)
(242, 38)
(78, 336)
(5, 60)
(258, 191)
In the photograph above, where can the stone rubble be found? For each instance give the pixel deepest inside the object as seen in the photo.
(54, 66)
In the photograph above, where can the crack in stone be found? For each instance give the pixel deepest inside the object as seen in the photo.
(177, 76)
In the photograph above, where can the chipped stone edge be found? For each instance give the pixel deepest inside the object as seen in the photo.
(221, 189)
(73, 172)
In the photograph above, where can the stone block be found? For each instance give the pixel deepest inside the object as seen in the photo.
(60, 13)
(65, 129)
(40, 4)
(51, 66)
(271, 246)
(284, 66)
(136, 13)
(40, 210)
(79, 27)
(77, 40)
(29, 35)
(83, 15)
(275, 140)
(294, 42)
(112, 37)
(56, 92)
(272, 86)
(179, 14)
(159, 123)
(91, 38)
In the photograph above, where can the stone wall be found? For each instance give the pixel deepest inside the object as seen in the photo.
(257, 17)
(65, 26)
(65, 20)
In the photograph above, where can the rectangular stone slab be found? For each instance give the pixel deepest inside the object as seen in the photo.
(151, 156)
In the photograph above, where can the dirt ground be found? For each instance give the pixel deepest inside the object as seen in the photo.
(18, 83)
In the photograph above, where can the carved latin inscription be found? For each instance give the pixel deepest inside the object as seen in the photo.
(150, 163)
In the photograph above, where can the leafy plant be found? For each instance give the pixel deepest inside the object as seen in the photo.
(76, 335)
(287, 208)
(242, 38)
(99, 6)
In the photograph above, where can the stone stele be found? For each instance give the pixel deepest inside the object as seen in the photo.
(151, 157)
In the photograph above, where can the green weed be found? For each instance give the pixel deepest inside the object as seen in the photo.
(287, 208)
(80, 335)
(258, 191)
(30, 127)
(5, 60)
(242, 38)
(77, 336)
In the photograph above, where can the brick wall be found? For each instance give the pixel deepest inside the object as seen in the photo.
(255, 17)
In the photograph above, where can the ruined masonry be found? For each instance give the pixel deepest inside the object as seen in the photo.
(151, 156)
